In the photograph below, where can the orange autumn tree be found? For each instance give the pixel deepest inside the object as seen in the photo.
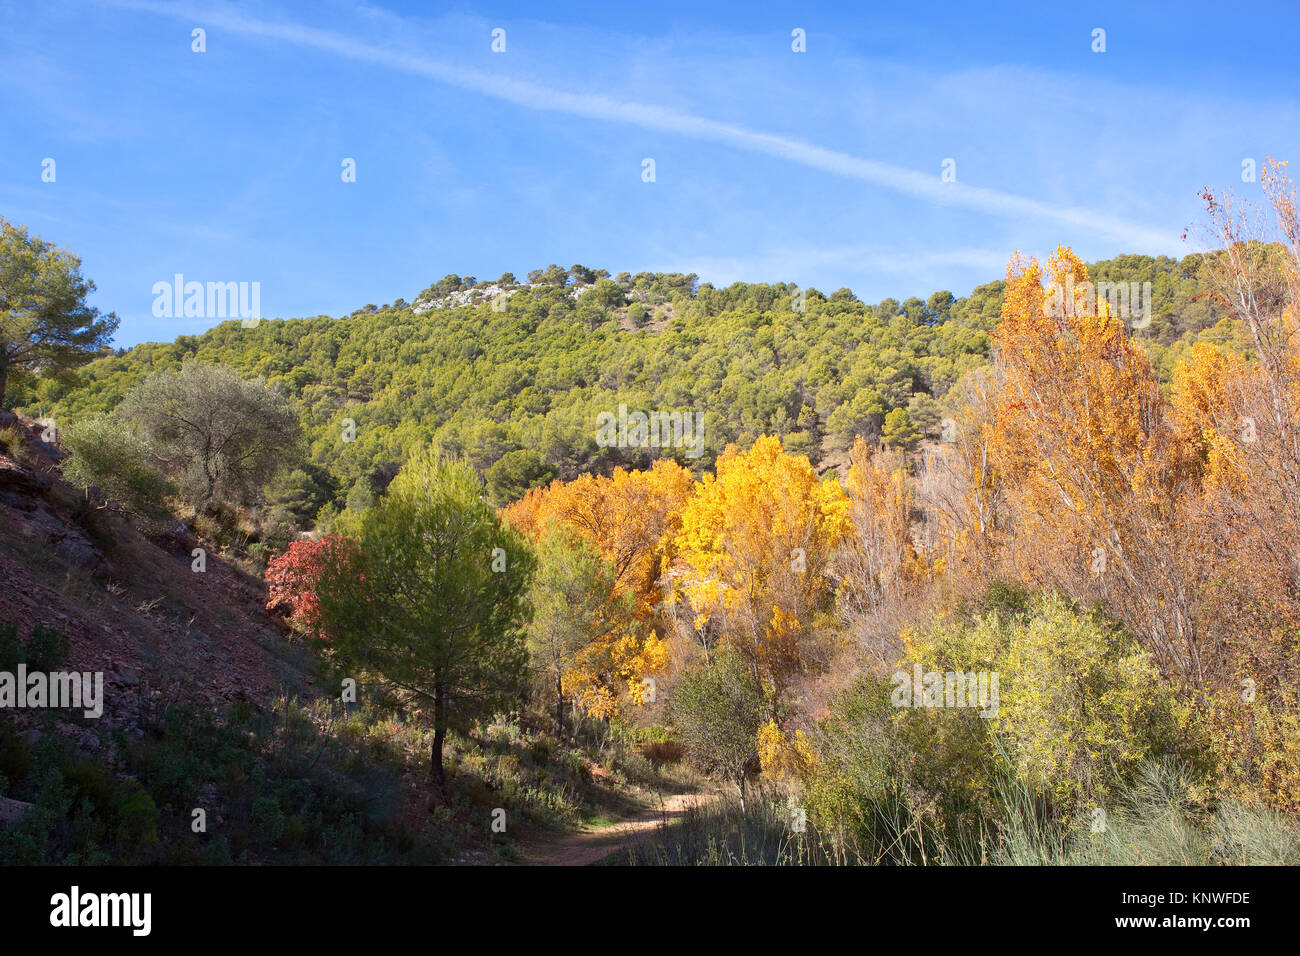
(755, 543)
(1256, 274)
(877, 561)
(1086, 444)
(631, 519)
(1081, 425)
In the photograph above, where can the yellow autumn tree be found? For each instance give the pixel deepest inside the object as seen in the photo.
(1211, 417)
(783, 756)
(630, 519)
(755, 542)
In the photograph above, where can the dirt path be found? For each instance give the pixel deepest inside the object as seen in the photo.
(591, 846)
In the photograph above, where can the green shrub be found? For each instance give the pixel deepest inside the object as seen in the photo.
(884, 777)
(137, 817)
(14, 443)
(1082, 705)
(15, 755)
(12, 651)
(46, 649)
(1081, 708)
(110, 456)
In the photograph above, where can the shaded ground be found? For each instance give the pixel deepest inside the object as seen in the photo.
(593, 845)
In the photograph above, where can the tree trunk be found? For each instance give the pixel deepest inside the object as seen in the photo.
(559, 707)
(740, 785)
(439, 733)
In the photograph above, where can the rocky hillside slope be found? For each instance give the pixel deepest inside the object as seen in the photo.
(131, 605)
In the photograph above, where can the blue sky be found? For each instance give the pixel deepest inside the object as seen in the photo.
(821, 168)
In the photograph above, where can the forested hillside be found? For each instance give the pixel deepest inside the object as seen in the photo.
(516, 388)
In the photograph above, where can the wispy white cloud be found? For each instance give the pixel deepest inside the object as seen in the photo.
(531, 95)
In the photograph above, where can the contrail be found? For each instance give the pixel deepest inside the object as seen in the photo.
(535, 96)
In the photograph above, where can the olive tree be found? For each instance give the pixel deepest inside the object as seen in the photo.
(219, 436)
(718, 710)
